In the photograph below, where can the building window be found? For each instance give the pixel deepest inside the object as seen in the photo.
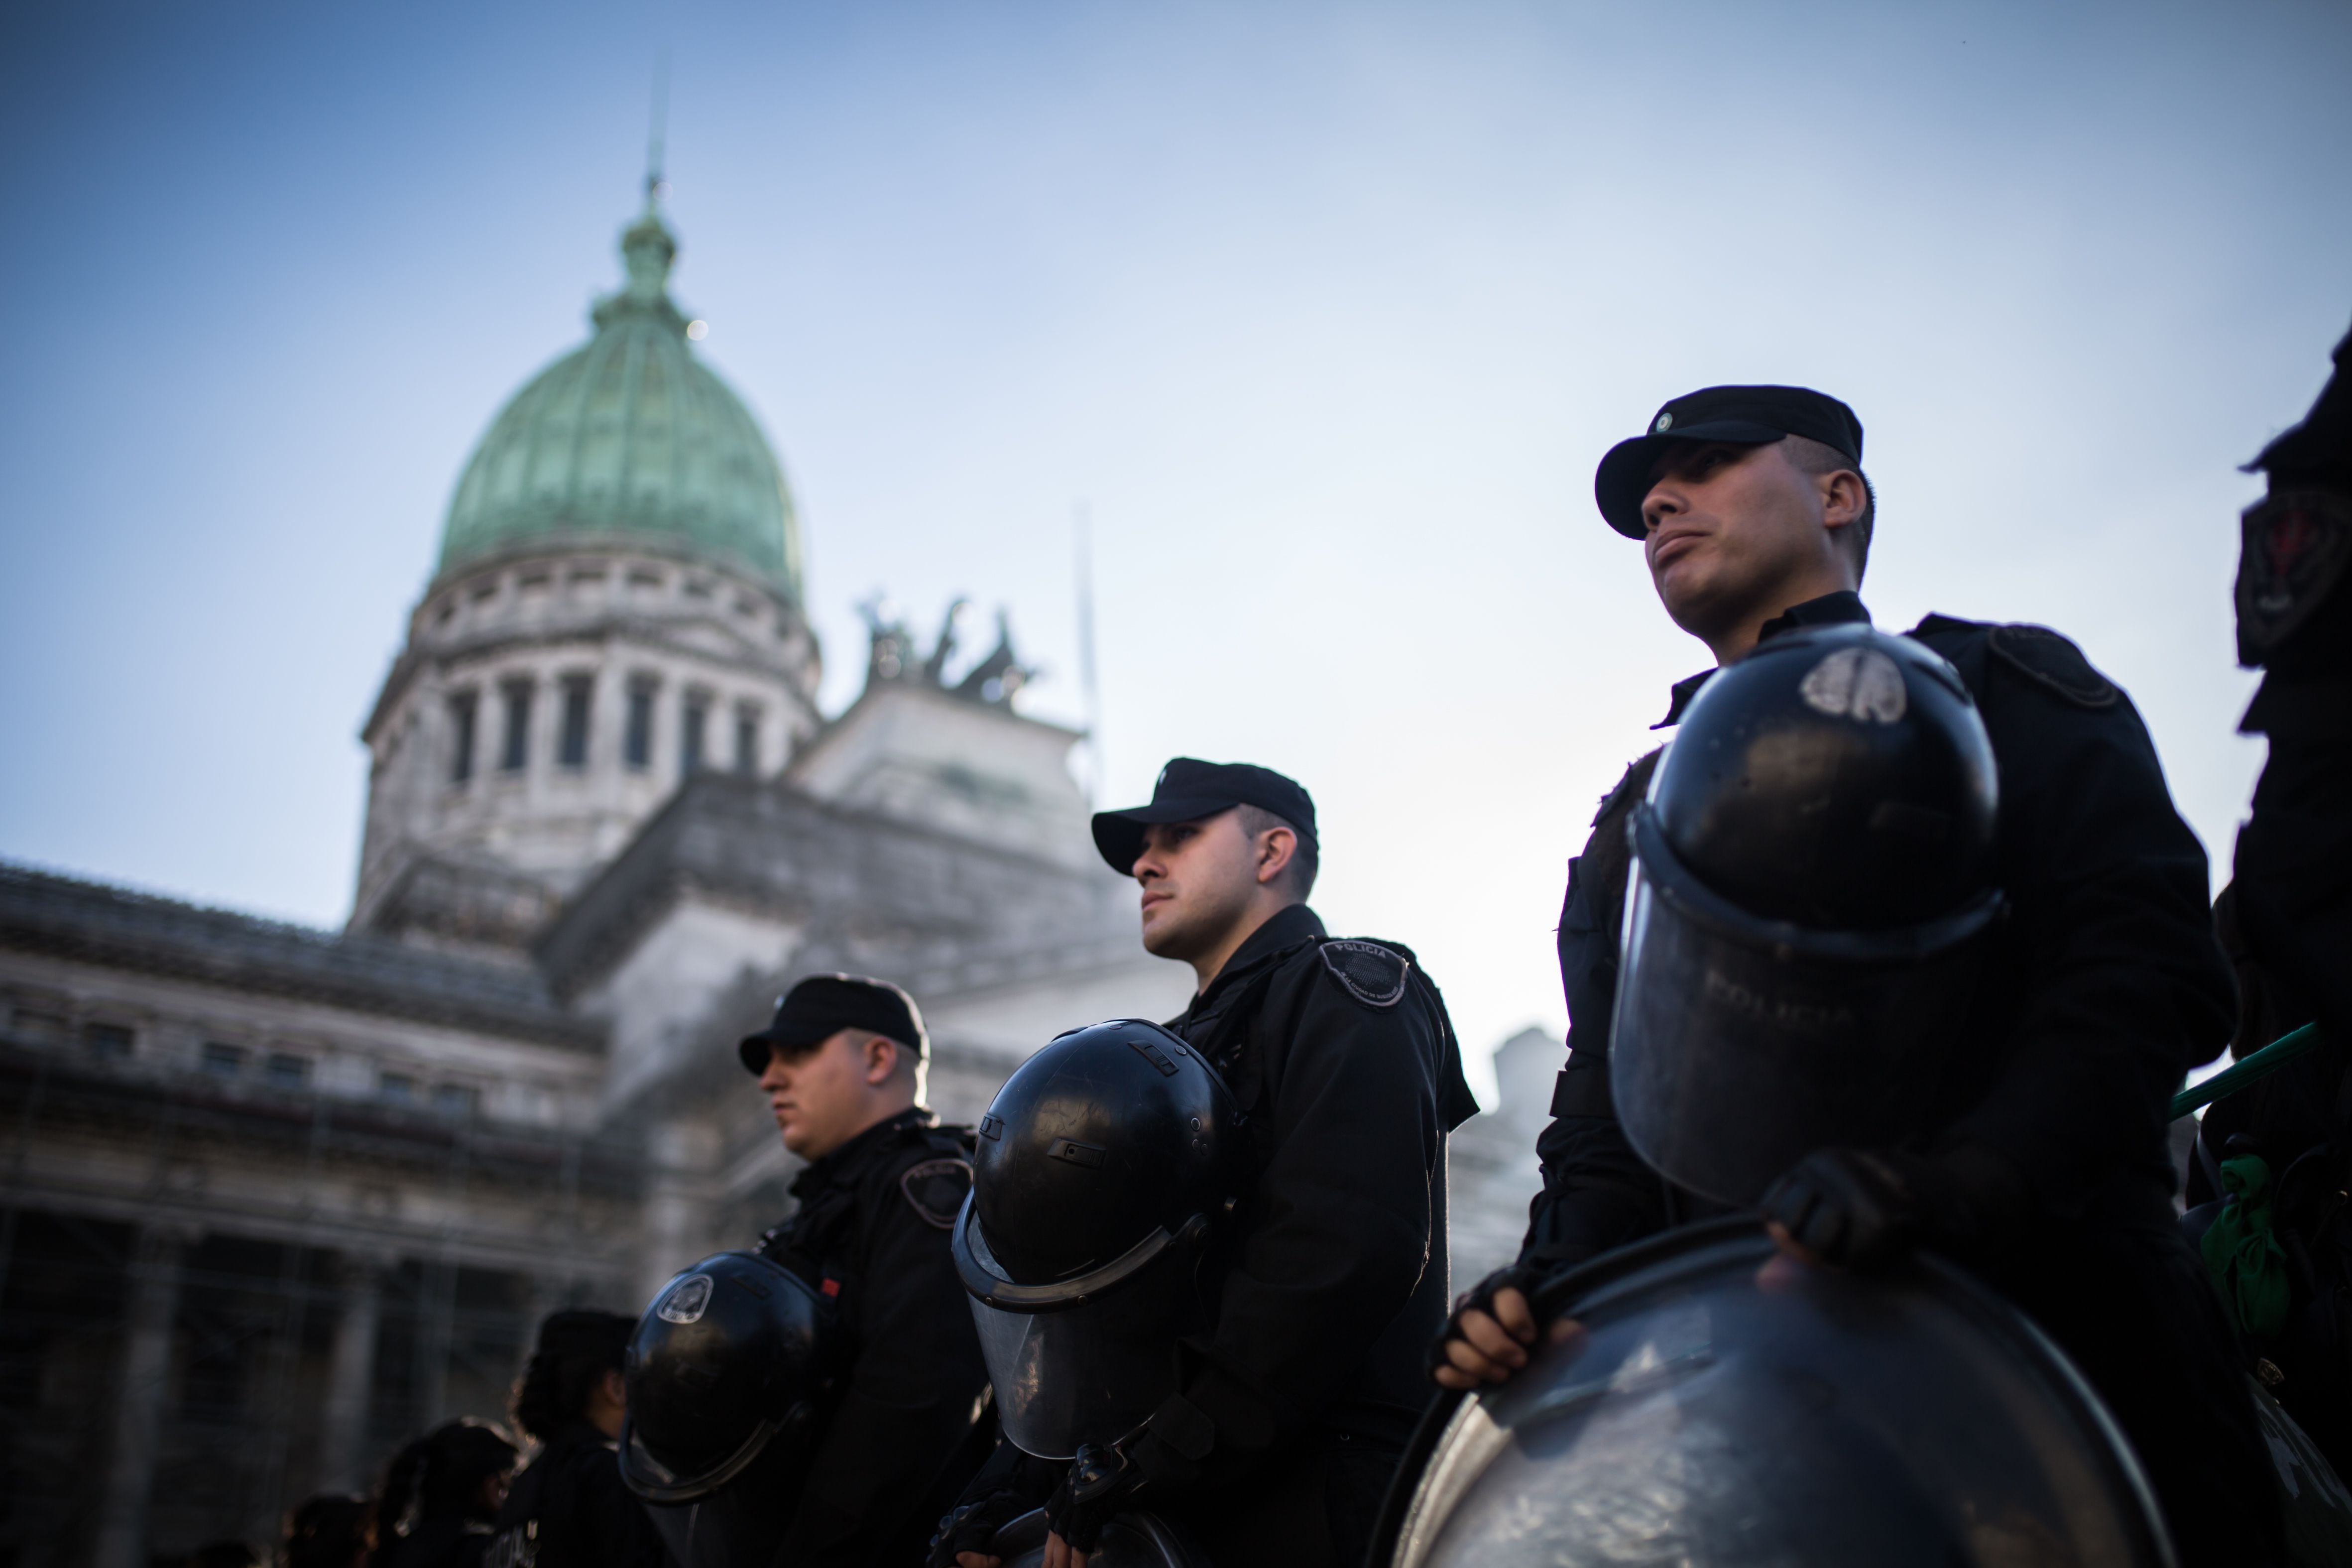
(639, 746)
(396, 1087)
(460, 1100)
(579, 693)
(222, 1062)
(463, 706)
(286, 1070)
(747, 739)
(694, 737)
(516, 751)
(111, 1041)
(41, 1029)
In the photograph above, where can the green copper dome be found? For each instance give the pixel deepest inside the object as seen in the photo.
(629, 441)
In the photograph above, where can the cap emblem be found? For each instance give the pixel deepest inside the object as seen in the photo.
(1666, 423)
(1858, 683)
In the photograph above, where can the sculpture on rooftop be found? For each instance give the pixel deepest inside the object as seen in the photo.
(993, 681)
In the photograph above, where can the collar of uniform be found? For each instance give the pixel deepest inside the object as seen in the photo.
(1830, 609)
(1284, 929)
(828, 1169)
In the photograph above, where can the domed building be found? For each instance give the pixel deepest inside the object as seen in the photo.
(283, 1198)
(617, 605)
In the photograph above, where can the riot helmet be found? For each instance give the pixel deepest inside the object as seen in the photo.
(1811, 870)
(1107, 1167)
(1728, 1407)
(727, 1377)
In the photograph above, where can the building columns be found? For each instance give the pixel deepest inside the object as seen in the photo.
(351, 1377)
(151, 1315)
(678, 1200)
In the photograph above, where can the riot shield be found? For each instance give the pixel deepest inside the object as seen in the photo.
(1727, 1407)
(2314, 1503)
(1128, 1541)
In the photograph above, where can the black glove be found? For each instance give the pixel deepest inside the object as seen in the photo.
(1480, 1298)
(1867, 1208)
(1099, 1480)
(972, 1526)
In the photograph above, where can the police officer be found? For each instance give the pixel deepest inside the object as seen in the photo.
(568, 1508)
(1294, 1406)
(2287, 920)
(843, 1066)
(2046, 1167)
(2294, 865)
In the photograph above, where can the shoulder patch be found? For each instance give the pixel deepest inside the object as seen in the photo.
(936, 1190)
(1372, 975)
(2049, 661)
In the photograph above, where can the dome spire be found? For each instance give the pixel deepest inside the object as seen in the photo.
(649, 247)
(657, 131)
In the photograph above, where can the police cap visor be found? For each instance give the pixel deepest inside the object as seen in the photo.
(1743, 416)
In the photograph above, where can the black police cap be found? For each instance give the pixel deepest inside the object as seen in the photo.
(1190, 789)
(823, 1006)
(1748, 416)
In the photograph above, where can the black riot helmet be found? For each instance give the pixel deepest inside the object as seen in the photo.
(727, 1379)
(1106, 1166)
(1725, 1406)
(1809, 870)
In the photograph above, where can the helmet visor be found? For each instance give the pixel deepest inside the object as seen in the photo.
(1740, 1046)
(1093, 1373)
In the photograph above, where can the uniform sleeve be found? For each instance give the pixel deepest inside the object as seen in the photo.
(1597, 1193)
(2121, 986)
(1339, 1234)
(620, 1534)
(911, 1398)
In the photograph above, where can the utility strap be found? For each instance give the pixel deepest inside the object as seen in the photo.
(2246, 1070)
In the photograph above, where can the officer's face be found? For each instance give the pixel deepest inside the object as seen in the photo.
(1198, 878)
(822, 1097)
(1725, 523)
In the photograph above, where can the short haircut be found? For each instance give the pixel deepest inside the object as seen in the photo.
(1810, 456)
(907, 1063)
(1298, 877)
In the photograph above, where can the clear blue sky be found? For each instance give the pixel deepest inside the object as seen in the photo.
(1326, 310)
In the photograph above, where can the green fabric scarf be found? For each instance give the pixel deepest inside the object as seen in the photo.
(2246, 1261)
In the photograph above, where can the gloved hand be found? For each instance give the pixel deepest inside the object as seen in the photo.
(972, 1526)
(1865, 1209)
(1480, 1298)
(1100, 1481)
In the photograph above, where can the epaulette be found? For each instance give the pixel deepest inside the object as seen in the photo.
(935, 1189)
(1636, 780)
(1371, 972)
(2041, 655)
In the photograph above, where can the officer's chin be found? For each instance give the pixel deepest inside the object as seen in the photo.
(1162, 933)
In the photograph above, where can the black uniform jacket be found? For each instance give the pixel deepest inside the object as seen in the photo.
(2104, 987)
(439, 1540)
(569, 1508)
(871, 1235)
(1344, 1065)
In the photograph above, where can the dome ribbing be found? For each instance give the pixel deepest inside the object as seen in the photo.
(629, 440)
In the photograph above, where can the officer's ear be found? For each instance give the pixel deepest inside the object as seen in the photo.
(882, 1054)
(1278, 847)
